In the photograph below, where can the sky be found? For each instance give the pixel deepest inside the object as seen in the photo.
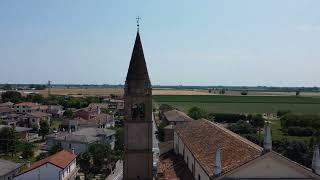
(187, 42)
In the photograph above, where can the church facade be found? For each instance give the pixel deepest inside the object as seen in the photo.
(138, 155)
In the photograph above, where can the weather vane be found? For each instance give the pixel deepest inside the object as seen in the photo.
(138, 24)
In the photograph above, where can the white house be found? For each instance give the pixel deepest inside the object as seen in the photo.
(211, 151)
(60, 166)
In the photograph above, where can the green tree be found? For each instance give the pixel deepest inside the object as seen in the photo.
(242, 128)
(8, 140)
(13, 96)
(44, 128)
(84, 160)
(27, 149)
(68, 113)
(42, 156)
(257, 121)
(119, 144)
(36, 98)
(197, 113)
(54, 149)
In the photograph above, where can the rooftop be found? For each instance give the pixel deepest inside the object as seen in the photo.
(7, 166)
(202, 138)
(176, 116)
(84, 135)
(27, 104)
(17, 128)
(4, 109)
(38, 114)
(61, 159)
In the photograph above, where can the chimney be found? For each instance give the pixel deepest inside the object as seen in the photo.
(98, 110)
(28, 165)
(267, 143)
(316, 160)
(217, 163)
(73, 151)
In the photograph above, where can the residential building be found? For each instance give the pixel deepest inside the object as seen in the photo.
(4, 111)
(22, 132)
(33, 119)
(80, 140)
(213, 152)
(7, 104)
(26, 107)
(60, 166)
(55, 110)
(8, 169)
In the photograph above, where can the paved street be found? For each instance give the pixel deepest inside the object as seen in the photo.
(117, 173)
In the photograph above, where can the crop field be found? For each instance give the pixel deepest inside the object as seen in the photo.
(242, 104)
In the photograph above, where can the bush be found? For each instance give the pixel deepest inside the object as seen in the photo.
(197, 113)
(242, 128)
(280, 113)
(300, 131)
(228, 118)
(301, 120)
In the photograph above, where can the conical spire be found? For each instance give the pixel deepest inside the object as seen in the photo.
(316, 160)
(217, 162)
(267, 143)
(138, 68)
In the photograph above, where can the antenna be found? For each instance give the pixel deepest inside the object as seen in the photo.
(138, 22)
(49, 88)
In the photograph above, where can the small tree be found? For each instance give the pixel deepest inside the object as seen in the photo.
(84, 160)
(44, 128)
(54, 149)
(8, 140)
(13, 96)
(27, 150)
(258, 122)
(68, 113)
(197, 113)
(297, 93)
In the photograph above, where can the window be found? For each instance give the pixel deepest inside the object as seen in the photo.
(69, 146)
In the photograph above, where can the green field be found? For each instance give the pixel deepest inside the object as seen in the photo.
(242, 104)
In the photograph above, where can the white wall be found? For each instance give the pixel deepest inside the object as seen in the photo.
(46, 171)
(66, 172)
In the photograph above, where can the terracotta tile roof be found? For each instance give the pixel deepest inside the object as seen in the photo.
(202, 138)
(61, 159)
(27, 104)
(38, 114)
(172, 167)
(6, 110)
(176, 116)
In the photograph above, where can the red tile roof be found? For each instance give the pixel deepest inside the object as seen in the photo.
(177, 116)
(38, 114)
(202, 138)
(61, 159)
(27, 104)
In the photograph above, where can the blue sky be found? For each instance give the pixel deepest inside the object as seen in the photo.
(214, 42)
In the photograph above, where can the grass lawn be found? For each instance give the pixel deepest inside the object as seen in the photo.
(277, 134)
(55, 123)
(242, 104)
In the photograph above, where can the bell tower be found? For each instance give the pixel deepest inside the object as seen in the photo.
(138, 118)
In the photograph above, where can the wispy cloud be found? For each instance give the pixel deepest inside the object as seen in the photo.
(308, 28)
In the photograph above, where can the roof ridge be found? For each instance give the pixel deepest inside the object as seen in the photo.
(237, 136)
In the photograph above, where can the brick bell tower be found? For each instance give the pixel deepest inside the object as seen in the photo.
(138, 118)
